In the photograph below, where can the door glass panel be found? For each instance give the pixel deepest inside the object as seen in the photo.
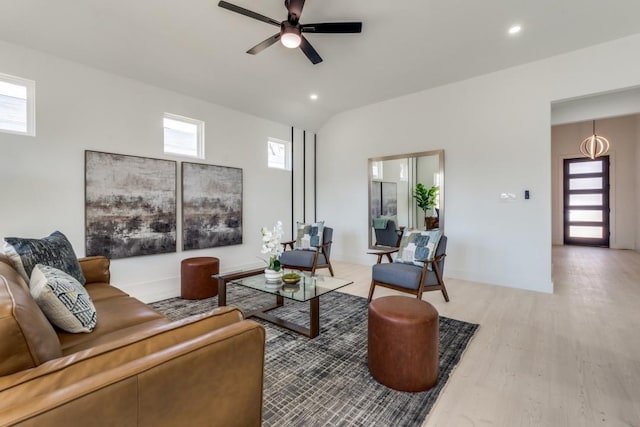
(585, 167)
(585, 184)
(585, 200)
(588, 232)
(583, 216)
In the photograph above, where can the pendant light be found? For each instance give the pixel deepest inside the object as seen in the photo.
(594, 146)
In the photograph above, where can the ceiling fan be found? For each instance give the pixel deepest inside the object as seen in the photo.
(291, 30)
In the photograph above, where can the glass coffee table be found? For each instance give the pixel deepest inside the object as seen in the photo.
(309, 288)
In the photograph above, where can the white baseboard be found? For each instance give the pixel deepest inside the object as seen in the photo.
(170, 287)
(153, 291)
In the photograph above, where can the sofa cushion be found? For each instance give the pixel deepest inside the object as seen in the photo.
(301, 258)
(114, 314)
(28, 339)
(63, 299)
(398, 274)
(53, 250)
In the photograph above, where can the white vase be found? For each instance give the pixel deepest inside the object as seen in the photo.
(272, 276)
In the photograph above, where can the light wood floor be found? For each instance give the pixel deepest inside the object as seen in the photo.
(571, 358)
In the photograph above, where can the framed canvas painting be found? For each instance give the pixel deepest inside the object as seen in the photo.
(130, 205)
(211, 206)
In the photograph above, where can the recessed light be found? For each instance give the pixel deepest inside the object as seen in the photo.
(313, 96)
(515, 29)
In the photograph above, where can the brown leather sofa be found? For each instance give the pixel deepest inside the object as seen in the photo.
(137, 368)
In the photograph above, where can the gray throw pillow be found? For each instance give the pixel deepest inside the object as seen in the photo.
(53, 250)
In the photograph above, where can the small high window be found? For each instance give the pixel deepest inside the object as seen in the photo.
(17, 101)
(278, 154)
(183, 136)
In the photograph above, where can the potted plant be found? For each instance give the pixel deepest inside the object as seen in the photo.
(271, 245)
(426, 199)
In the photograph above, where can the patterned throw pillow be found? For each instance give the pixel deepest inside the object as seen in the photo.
(54, 250)
(62, 299)
(309, 236)
(418, 245)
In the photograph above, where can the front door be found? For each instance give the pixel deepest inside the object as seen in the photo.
(586, 201)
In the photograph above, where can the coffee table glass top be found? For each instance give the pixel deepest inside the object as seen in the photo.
(307, 288)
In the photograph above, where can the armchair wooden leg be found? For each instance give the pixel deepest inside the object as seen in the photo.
(371, 288)
(444, 293)
(330, 269)
(436, 269)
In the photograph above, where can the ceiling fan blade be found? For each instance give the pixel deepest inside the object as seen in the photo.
(247, 12)
(264, 44)
(308, 50)
(332, 27)
(295, 9)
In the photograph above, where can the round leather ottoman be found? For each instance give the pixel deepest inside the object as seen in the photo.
(403, 343)
(195, 277)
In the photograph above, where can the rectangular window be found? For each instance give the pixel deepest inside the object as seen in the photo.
(183, 136)
(278, 154)
(17, 105)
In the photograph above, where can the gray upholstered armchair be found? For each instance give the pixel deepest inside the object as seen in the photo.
(415, 272)
(387, 233)
(317, 256)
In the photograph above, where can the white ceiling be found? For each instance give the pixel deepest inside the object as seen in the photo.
(197, 48)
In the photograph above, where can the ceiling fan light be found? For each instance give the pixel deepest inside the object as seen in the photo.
(290, 40)
(290, 35)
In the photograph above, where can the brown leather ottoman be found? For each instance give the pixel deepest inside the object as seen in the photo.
(403, 343)
(195, 277)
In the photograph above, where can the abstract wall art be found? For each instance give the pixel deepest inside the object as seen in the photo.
(211, 206)
(130, 205)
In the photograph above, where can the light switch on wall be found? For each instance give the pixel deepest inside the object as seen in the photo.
(507, 197)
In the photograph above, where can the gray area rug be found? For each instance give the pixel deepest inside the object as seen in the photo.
(325, 381)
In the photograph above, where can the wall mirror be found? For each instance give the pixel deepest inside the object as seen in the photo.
(392, 184)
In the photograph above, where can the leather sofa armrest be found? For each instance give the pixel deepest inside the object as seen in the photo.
(95, 269)
(172, 375)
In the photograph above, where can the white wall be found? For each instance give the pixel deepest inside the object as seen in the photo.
(622, 133)
(495, 130)
(80, 108)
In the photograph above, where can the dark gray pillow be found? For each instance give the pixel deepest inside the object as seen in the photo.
(53, 250)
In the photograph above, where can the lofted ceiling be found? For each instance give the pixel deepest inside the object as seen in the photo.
(197, 48)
